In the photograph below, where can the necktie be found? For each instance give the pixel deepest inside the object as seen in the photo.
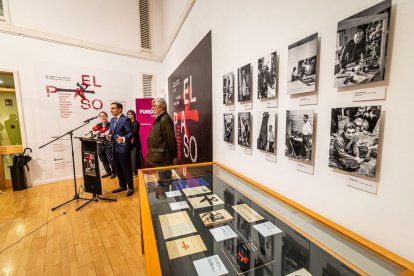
(116, 120)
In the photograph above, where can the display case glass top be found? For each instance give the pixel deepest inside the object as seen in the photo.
(208, 220)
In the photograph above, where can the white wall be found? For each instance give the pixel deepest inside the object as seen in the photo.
(23, 54)
(242, 32)
(172, 14)
(105, 22)
(104, 25)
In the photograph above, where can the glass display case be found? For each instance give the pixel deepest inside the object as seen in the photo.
(206, 219)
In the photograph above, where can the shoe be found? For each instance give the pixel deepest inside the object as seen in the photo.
(130, 192)
(106, 175)
(113, 176)
(120, 189)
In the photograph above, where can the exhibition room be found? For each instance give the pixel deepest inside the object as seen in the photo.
(206, 137)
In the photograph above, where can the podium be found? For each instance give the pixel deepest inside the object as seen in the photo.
(90, 170)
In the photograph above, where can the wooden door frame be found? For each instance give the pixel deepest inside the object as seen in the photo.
(16, 148)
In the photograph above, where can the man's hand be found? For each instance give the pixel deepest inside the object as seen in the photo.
(359, 160)
(120, 139)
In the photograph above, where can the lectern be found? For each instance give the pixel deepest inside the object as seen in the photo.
(90, 170)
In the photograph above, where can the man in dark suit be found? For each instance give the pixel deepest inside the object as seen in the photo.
(120, 133)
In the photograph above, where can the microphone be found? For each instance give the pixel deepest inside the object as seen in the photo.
(90, 119)
(90, 132)
(96, 128)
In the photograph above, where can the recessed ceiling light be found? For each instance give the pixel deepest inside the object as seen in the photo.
(1, 81)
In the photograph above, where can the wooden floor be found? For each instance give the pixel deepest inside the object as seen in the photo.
(103, 238)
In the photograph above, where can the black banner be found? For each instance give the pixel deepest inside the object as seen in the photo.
(190, 105)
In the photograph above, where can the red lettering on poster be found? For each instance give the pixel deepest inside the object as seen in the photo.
(94, 82)
(187, 114)
(86, 80)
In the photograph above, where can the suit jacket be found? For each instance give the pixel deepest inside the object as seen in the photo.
(161, 142)
(136, 142)
(123, 128)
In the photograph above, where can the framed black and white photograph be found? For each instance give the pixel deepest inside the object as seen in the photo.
(299, 134)
(266, 140)
(228, 127)
(302, 58)
(244, 129)
(266, 77)
(228, 89)
(354, 139)
(243, 225)
(244, 77)
(361, 46)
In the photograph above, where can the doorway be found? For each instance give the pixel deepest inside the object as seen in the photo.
(10, 126)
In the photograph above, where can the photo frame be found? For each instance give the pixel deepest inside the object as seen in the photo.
(302, 61)
(228, 131)
(266, 129)
(8, 102)
(355, 139)
(228, 89)
(361, 46)
(244, 129)
(244, 77)
(299, 134)
(267, 76)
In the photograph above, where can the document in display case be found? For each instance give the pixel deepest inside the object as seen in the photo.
(185, 246)
(176, 224)
(205, 201)
(215, 217)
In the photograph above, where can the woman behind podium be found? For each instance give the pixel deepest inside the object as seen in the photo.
(136, 153)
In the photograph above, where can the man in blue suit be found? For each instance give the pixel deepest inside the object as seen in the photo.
(120, 133)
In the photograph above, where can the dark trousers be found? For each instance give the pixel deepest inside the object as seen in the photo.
(307, 145)
(123, 169)
(271, 149)
(347, 164)
(105, 153)
(136, 158)
(165, 178)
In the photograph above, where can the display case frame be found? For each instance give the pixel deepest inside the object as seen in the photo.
(366, 257)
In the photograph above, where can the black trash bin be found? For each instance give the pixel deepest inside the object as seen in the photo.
(18, 177)
(17, 173)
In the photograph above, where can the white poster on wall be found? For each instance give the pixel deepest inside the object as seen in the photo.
(66, 97)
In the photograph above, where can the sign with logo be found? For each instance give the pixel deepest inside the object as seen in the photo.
(146, 117)
(67, 96)
(190, 105)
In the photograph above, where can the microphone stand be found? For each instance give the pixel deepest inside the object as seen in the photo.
(70, 133)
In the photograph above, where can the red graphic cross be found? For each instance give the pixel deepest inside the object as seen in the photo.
(243, 259)
(191, 115)
(185, 246)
